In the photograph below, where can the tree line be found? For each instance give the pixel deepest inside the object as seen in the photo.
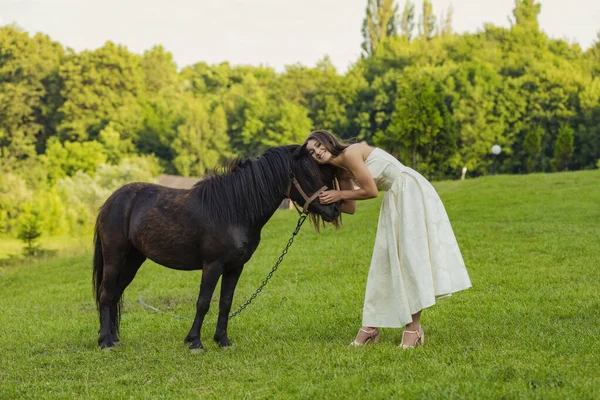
(75, 125)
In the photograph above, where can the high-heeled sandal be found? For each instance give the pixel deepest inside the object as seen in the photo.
(373, 337)
(420, 339)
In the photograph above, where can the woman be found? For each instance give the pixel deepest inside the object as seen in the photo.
(416, 258)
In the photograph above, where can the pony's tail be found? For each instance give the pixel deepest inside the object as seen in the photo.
(98, 266)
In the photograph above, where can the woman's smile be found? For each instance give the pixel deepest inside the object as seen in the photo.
(318, 152)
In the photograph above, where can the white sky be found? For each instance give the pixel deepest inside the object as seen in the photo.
(268, 32)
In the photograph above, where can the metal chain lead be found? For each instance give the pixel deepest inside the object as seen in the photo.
(270, 274)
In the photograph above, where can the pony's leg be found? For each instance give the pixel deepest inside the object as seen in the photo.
(114, 265)
(210, 276)
(108, 303)
(135, 259)
(228, 284)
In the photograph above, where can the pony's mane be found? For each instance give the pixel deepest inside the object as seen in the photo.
(246, 189)
(327, 173)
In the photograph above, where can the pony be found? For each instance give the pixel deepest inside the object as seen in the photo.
(215, 226)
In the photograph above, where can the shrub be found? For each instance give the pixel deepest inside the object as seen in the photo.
(30, 230)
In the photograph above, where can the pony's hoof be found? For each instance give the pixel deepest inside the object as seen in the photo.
(196, 347)
(188, 339)
(107, 346)
(106, 343)
(223, 342)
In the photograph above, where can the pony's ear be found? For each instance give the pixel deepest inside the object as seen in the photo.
(299, 152)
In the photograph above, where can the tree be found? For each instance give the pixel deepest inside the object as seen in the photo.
(160, 71)
(270, 123)
(427, 22)
(563, 148)
(380, 23)
(191, 143)
(407, 20)
(480, 110)
(445, 28)
(30, 230)
(593, 54)
(526, 14)
(332, 100)
(532, 144)
(26, 65)
(420, 127)
(101, 86)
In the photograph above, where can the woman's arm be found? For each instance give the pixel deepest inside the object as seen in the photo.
(353, 162)
(348, 206)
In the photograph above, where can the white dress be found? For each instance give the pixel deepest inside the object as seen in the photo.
(416, 258)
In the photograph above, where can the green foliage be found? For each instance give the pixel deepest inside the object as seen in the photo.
(13, 194)
(83, 194)
(101, 86)
(332, 101)
(160, 71)
(269, 124)
(421, 130)
(26, 67)
(67, 158)
(54, 210)
(190, 139)
(113, 146)
(130, 169)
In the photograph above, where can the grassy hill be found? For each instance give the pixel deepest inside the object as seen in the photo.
(528, 328)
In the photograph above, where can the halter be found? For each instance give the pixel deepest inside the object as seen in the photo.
(307, 200)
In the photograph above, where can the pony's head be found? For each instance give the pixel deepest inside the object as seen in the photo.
(311, 178)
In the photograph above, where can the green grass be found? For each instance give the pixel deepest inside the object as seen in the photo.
(529, 327)
(11, 249)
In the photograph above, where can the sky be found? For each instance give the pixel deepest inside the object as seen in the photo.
(271, 33)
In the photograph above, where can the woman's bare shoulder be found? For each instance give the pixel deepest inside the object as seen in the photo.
(357, 150)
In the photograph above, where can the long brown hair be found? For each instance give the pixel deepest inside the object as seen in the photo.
(335, 146)
(330, 142)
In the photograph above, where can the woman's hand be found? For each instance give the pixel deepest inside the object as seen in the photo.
(330, 196)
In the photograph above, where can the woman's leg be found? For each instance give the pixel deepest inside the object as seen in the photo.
(413, 334)
(415, 324)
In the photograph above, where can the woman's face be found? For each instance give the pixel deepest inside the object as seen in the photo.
(318, 152)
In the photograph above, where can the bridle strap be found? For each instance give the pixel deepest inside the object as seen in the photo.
(307, 200)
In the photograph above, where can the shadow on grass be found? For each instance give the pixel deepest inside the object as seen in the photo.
(42, 255)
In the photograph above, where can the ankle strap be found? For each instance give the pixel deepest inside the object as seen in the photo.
(419, 329)
(368, 332)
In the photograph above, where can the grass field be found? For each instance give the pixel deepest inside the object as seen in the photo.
(529, 327)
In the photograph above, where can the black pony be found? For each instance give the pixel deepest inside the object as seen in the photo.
(214, 226)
